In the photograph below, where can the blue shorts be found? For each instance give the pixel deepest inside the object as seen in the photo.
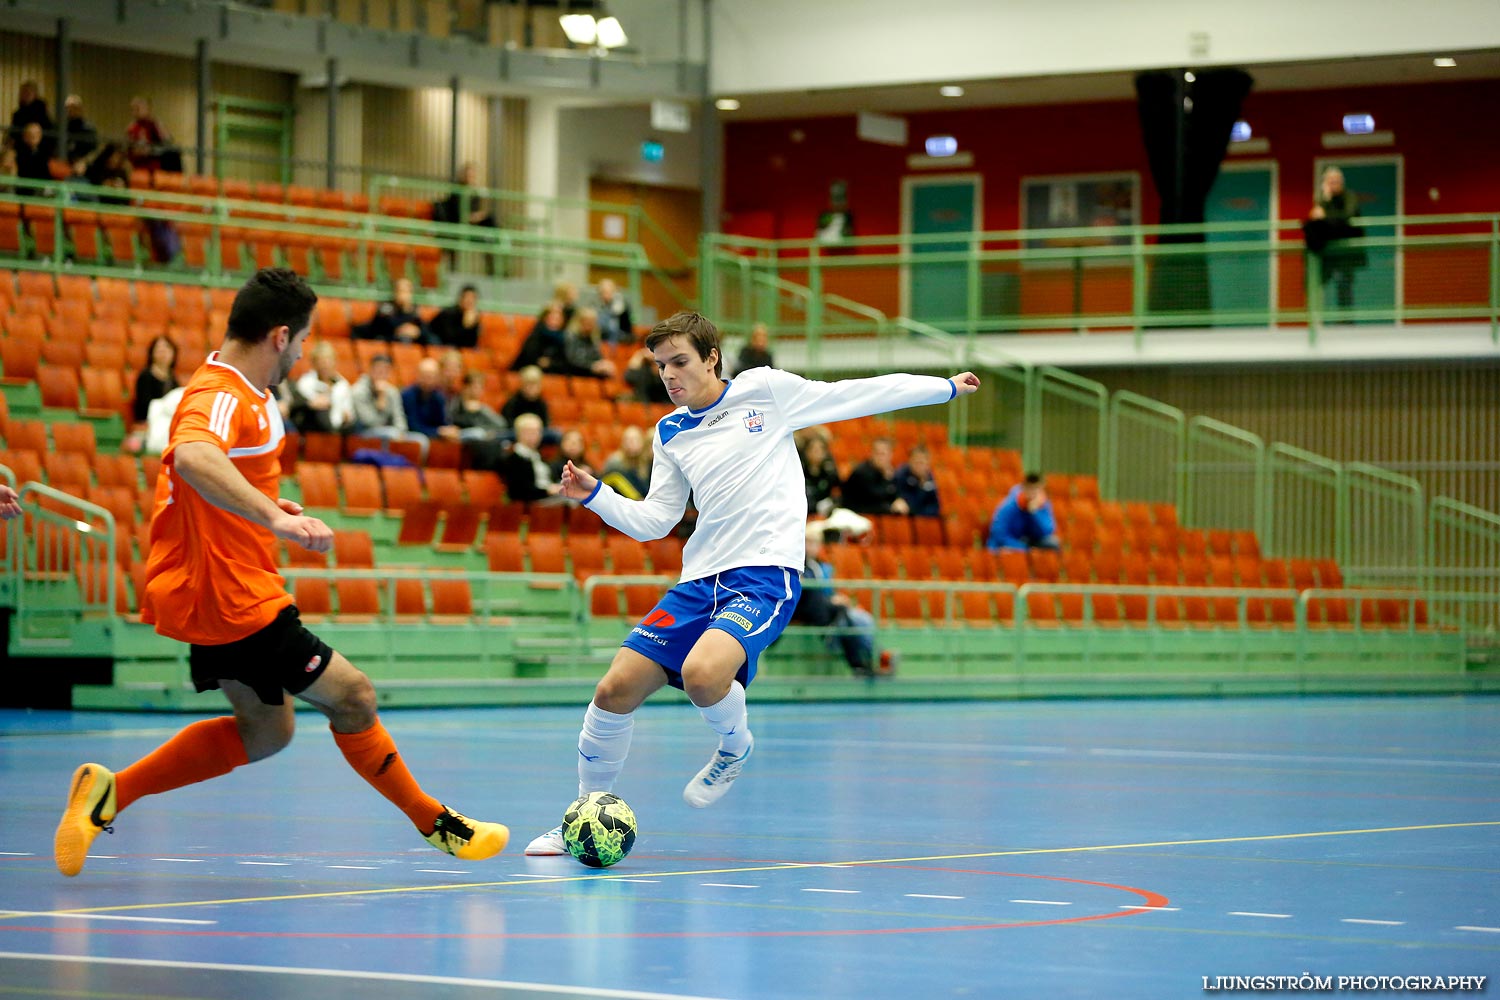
(751, 603)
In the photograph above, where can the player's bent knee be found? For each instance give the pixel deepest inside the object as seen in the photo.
(704, 682)
(357, 702)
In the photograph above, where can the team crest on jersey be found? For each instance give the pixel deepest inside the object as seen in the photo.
(755, 421)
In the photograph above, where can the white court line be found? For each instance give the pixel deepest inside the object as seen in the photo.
(1483, 930)
(1272, 916)
(398, 977)
(19, 854)
(183, 861)
(728, 885)
(1042, 902)
(846, 892)
(101, 916)
(442, 871)
(271, 864)
(928, 895)
(357, 868)
(103, 857)
(533, 875)
(1375, 923)
(618, 878)
(1285, 758)
(1143, 906)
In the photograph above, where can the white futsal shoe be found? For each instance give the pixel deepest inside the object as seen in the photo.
(709, 785)
(548, 844)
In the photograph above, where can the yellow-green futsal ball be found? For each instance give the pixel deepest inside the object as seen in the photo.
(599, 829)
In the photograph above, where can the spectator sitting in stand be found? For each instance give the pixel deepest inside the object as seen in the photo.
(916, 485)
(642, 375)
(452, 372)
(31, 109)
(852, 628)
(527, 398)
(1024, 519)
(480, 428)
(378, 411)
(543, 347)
(325, 399)
(615, 326)
(458, 325)
(7, 168)
(110, 167)
(526, 476)
(425, 405)
(147, 139)
(572, 449)
(565, 295)
(757, 350)
(158, 378)
(629, 469)
(34, 155)
(581, 352)
(396, 321)
(475, 419)
(819, 474)
(80, 137)
(871, 487)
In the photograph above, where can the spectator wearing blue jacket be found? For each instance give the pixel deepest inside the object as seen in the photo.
(916, 484)
(1024, 520)
(425, 405)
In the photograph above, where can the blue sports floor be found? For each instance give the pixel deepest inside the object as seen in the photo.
(1048, 849)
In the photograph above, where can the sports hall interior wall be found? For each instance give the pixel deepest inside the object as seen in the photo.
(776, 184)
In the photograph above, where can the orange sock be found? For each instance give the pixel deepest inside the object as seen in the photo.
(373, 756)
(203, 750)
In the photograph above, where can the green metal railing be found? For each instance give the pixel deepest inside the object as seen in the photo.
(363, 238)
(1146, 454)
(1447, 267)
(544, 216)
(62, 561)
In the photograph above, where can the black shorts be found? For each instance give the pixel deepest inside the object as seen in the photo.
(283, 656)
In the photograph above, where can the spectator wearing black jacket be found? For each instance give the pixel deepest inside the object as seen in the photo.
(397, 321)
(871, 488)
(31, 109)
(543, 347)
(458, 325)
(819, 474)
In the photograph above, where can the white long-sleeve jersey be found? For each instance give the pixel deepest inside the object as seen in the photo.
(737, 459)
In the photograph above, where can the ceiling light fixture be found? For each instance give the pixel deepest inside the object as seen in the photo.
(583, 29)
(1190, 76)
(727, 104)
(952, 90)
(1445, 62)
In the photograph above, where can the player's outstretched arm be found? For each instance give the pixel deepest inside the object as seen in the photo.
(965, 383)
(577, 484)
(213, 476)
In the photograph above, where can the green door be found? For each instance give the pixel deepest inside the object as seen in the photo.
(939, 292)
(1240, 281)
(1377, 184)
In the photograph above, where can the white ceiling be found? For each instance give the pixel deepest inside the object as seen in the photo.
(1076, 88)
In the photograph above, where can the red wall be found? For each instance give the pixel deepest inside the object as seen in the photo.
(775, 186)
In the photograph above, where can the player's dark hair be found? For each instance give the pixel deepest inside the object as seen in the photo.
(273, 297)
(1033, 479)
(698, 330)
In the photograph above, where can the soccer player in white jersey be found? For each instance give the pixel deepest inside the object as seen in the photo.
(729, 444)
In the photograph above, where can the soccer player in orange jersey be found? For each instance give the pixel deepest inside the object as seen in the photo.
(211, 581)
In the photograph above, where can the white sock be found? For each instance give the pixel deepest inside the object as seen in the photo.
(603, 745)
(729, 718)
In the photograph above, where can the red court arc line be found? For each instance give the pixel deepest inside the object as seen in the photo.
(1152, 900)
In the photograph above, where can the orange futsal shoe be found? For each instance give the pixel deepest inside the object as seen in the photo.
(91, 808)
(470, 840)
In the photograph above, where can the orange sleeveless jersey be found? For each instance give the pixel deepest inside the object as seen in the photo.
(211, 577)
